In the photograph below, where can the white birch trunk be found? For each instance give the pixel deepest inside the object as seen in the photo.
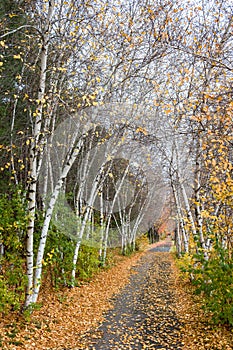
(48, 216)
(101, 223)
(118, 190)
(198, 206)
(178, 239)
(137, 223)
(183, 191)
(33, 156)
(92, 197)
(180, 219)
(188, 210)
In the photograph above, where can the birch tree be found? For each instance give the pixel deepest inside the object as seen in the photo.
(175, 61)
(34, 153)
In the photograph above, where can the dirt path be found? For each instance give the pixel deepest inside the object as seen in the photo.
(144, 314)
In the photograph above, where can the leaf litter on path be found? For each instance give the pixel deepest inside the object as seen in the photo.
(144, 315)
(155, 310)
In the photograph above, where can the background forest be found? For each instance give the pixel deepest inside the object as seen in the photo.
(116, 117)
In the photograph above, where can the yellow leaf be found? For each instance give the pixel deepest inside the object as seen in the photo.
(1, 64)
(2, 43)
(62, 69)
(156, 103)
(142, 130)
(17, 57)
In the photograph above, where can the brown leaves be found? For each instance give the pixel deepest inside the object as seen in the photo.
(67, 314)
(143, 316)
(167, 301)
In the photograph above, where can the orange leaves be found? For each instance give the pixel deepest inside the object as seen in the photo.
(142, 130)
(67, 314)
(168, 111)
(126, 36)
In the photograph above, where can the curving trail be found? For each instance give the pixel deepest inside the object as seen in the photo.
(143, 314)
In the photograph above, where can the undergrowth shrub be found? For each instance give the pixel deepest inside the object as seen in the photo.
(127, 249)
(88, 262)
(213, 279)
(185, 263)
(141, 243)
(58, 258)
(13, 221)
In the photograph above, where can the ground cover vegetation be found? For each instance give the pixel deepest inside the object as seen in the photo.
(115, 119)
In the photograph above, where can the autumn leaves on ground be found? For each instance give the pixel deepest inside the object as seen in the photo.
(146, 304)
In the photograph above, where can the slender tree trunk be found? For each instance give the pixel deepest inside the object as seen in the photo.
(188, 210)
(118, 190)
(178, 239)
(48, 216)
(180, 219)
(34, 153)
(101, 224)
(96, 185)
(198, 206)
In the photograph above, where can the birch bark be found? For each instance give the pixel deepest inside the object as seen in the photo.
(48, 216)
(198, 205)
(94, 191)
(34, 154)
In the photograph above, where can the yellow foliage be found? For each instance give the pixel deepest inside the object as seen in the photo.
(17, 57)
(142, 130)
